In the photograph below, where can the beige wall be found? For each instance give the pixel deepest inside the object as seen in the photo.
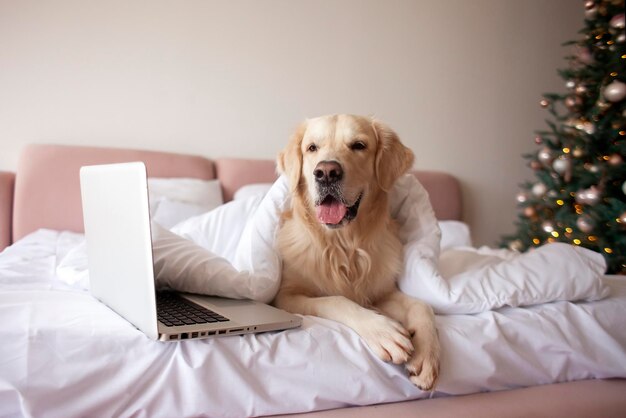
(459, 80)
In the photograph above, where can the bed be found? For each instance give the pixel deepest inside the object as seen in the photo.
(65, 354)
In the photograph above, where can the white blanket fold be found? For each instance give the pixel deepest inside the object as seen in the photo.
(235, 257)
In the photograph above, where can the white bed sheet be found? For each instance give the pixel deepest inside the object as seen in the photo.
(62, 353)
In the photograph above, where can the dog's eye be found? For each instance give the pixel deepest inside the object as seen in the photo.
(358, 146)
(312, 148)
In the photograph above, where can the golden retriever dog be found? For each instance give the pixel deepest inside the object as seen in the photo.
(340, 248)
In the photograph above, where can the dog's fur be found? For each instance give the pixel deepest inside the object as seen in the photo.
(346, 271)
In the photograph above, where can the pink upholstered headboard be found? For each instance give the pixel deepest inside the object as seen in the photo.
(47, 187)
(47, 190)
(6, 207)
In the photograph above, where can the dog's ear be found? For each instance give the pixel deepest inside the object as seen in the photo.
(392, 158)
(289, 161)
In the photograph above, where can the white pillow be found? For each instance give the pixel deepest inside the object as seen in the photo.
(454, 234)
(172, 200)
(171, 212)
(252, 190)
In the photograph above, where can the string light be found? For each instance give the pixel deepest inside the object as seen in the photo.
(577, 241)
(568, 230)
(592, 238)
(608, 250)
(536, 241)
(560, 202)
(566, 150)
(555, 234)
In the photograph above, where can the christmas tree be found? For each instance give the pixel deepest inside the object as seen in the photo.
(579, 196)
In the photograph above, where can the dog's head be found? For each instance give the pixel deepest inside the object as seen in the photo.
(338, 165)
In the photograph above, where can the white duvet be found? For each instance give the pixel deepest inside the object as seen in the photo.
(230, 252)
(62, 353)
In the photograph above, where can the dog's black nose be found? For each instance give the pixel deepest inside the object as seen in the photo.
(328, 172)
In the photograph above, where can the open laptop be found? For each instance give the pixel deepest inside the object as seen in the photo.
(119, 250)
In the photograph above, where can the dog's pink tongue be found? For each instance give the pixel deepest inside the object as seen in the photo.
(330, 212)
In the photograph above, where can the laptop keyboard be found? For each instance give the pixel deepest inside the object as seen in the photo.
(172, 310)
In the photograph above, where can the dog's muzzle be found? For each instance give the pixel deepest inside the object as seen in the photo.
(331, 207)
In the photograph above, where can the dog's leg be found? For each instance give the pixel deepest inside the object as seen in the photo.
(419, 320)
(386, 337)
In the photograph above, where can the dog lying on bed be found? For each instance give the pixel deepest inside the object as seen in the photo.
(340, 248)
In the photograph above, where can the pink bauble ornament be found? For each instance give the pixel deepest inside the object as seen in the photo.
(585, 126)
(617, 21)
(615, 92)
(585, 224)
(580, 89)
(538, 140)
(592, 168)
(544, 155)
(562, 164)
(521, 197)
(573, 103)
(544, 103)
(516, 245)
(529, 211)
(591, 13)
(615, 159)
(589, 196)
(539, 189)
(547, 226)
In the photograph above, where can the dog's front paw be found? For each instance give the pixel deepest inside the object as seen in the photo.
(423, 367)
(387, 338)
